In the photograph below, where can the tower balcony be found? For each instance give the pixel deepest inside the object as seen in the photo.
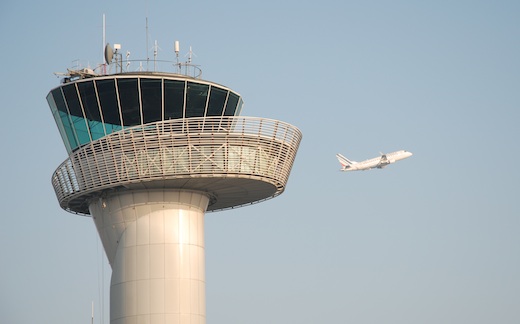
(235, 160)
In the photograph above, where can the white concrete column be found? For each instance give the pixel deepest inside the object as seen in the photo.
(154, 241)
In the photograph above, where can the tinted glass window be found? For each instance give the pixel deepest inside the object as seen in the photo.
(90, 106)
(196, 99)
(80, 126)
(151, 96)
(59, 122)
(76, 114)
(129, 99)
(108, 101)
(217, 98)
(71, 97)
(173, 99)
(89, 100)
(58, 99)
(67, 127)
(239, 107)
(231, 105)
(96, 129)
(64, 117)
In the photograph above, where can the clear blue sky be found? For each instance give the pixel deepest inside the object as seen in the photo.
(432, 239)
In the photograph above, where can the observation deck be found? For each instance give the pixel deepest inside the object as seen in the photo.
(235, 160)
(157, 130)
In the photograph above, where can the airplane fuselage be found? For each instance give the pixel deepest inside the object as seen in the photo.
(377, 162)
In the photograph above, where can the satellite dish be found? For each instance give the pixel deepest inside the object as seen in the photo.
(109, 53)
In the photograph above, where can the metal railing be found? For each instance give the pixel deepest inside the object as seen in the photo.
(246, 150)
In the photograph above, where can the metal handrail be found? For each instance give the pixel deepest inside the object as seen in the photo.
(256, 149)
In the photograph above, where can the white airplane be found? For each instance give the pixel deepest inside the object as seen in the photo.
(378, 162)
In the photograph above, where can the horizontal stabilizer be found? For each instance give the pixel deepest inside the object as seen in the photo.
(345, 163)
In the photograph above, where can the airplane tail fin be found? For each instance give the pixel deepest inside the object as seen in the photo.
(345, 163)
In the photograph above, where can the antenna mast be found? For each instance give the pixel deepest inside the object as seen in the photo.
(147, 57)
(190, 54)
(155, 49)
(176, 49)
(103, 47)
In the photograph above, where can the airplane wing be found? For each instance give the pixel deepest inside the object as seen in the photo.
(383, 162)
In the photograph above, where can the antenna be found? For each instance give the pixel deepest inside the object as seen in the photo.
(190, 54)
(119, 58)
(104, 49)
(147, 57)
(155, 51)
(176, 48)
(109, 53)
(127, 59)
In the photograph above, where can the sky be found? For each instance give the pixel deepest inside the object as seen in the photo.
(431, 239)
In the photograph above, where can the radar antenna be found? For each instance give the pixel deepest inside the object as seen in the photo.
(113, 53)
(109, 54)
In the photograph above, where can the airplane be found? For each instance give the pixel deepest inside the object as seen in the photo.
(378, 162)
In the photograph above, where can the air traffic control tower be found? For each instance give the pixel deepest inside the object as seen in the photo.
(149, 154)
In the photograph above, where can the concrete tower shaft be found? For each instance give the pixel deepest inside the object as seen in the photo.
(154, 240)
